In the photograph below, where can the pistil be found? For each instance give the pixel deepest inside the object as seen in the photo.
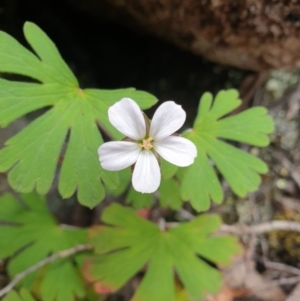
(147, 143)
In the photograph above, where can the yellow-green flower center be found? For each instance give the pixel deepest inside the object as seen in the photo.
(146, 144)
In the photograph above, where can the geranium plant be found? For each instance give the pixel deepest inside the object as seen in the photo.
(166, 169)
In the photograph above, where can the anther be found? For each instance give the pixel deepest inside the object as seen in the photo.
(147, 143)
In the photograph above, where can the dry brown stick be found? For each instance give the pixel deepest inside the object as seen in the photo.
(291, 203)
(260, 228)
(105, 131)
(247, 89)
(40, 264)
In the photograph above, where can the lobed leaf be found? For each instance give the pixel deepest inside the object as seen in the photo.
(125, 178)
(129, 243)
(169, 194)
(139, 200)
(36, 235)
(73, 114)
(200, 183)
(168, 170)
(23, 295)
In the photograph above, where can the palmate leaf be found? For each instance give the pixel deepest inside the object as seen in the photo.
(169, 189)
(129, 243)
(31, 230)
(169, 194)
(139, 200)
(24, 295)
(33, 154)
(168, 170)
(240, 169)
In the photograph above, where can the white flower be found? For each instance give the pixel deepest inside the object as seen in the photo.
(145, 144)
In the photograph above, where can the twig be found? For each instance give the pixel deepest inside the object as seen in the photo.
(162, 224)
(40, 264)
(260, 228)
(282, 267)
(252, 229)
(289, 202)
(185, 214)
(286, 281)
(278, 282)
(288, 165)
(264, 247)
(248, 88)
(245, 229)
(279, 266)
(105, 131)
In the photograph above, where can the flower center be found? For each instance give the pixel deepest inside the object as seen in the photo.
(147, 143)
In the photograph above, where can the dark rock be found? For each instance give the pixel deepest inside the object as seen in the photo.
(254, 35)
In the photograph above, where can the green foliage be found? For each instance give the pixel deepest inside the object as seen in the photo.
(129, 242)
(240, 169)
(24, 295)
(169, 194)
(33, 154)
(168, 170)
(70, 123)
(30, 233)
(169, 189)
(124, 181)
(139, 200)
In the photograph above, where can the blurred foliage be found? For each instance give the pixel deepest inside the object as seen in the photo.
(30, 233)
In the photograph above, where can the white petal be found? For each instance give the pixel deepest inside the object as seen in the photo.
(127, 117)
(117, 155)
(177, 150)
(146, 173)
(168, 118)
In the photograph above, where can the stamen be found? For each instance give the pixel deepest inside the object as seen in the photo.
(147, 143)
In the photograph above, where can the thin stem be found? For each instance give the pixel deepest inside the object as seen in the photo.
(261, 228)
(105, 131)
(40, 264)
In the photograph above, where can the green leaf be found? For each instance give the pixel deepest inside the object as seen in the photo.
(240, 169)
(169, 194)
(125, 178)
(74, 115)
(24, 295)
(168, 170)
(129, 243)
(139, 200)
(31, 232)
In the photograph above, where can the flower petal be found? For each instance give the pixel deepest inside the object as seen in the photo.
(146, 173)
(177, 150)
(127, 117)
(117, 155)
(167, 119)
